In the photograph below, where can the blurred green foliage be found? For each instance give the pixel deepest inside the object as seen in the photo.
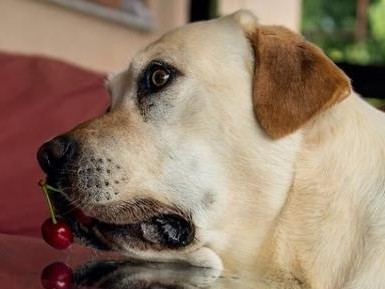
(330, 24)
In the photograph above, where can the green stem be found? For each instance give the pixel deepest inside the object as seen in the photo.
(52, 188)
(44, 188)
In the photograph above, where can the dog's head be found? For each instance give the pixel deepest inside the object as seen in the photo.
(195, 157)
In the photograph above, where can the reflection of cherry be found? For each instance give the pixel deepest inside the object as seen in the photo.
(57, 276)
(58, 235)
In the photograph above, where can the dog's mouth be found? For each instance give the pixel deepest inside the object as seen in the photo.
(154, 230)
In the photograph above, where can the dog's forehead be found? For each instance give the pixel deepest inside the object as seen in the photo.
(195, 43)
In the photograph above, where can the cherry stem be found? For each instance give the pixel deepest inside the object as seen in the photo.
(52, 188)
(45, 187)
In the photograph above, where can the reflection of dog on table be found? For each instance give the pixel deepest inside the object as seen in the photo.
(139, 275)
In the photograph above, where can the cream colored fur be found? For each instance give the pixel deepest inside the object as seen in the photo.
(330, 232)
(305, 210)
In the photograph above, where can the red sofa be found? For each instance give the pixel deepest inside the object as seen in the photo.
(39, 99)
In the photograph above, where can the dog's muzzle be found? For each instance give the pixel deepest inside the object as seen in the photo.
(158, 227)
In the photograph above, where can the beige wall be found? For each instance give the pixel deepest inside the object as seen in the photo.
(37, 27)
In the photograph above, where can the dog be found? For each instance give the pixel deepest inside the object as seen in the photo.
(231, 144)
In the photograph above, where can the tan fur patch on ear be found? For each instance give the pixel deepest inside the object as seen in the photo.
(293, 81)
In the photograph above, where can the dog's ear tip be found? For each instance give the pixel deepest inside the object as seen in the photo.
(246, 19)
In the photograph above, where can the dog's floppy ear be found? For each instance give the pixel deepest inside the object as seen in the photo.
(293, 81)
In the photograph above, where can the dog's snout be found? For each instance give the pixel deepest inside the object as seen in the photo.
(54, 154)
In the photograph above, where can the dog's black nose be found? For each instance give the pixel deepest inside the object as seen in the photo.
(55, 154)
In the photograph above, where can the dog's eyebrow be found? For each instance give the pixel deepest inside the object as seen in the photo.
(117, 84)
(107, 86)
(107, 80)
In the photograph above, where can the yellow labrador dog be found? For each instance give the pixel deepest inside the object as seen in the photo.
(232, 145)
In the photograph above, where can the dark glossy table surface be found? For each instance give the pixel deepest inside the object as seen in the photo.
(23, 259)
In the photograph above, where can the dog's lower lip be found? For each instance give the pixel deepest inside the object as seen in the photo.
(157, 232)
(163, 231)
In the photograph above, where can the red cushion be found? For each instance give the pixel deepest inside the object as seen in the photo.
(39, 99)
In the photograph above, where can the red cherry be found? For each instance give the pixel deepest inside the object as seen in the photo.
(57, 276)
(57, 235)
(81, 217)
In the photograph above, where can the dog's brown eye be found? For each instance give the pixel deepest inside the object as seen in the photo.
(159, 77)
(155, 78)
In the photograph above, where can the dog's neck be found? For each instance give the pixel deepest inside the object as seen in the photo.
(338, 189)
